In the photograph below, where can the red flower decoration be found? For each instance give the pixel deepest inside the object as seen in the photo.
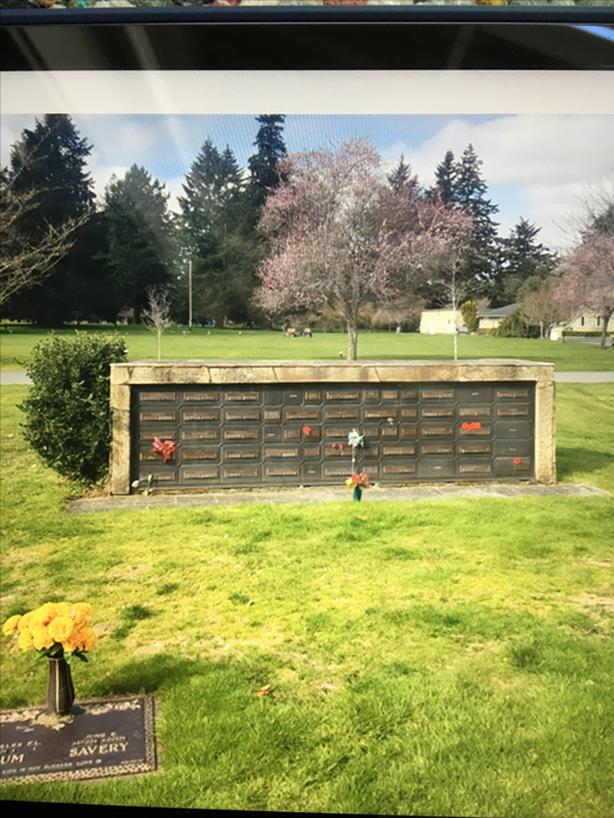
(333, 445)
(471, 427)
(165, 448)
(306, 430)
(518, 460)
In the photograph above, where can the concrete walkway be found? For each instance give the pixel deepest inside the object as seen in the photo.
(584, 377)
(15, 378)
(19, 378)
(281, 496)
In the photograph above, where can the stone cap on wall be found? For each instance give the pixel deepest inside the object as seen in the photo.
(286, 371)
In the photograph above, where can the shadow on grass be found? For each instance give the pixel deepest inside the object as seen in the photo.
(575, 459)
(147, 675)
(165, 671)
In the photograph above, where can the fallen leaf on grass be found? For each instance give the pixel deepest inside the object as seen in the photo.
(264, 691)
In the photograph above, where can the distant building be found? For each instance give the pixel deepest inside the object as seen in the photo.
(583, 321)
(491, 317)
(441, 322)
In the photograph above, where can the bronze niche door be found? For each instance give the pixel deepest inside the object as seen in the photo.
(225, 435)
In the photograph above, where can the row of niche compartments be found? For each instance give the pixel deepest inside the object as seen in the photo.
(517, 430)
(305, 473)
(277, 396)
(356, 415)
(225, 454)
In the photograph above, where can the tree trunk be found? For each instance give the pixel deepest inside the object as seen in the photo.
(605, 317)
(455, 344)
(352, 340)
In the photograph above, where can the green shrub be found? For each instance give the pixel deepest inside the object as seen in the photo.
(67, 411)
(469, 311)
(512, 327)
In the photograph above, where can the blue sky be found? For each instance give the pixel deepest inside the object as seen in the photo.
(536, 166)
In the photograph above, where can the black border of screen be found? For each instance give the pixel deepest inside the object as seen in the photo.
(308, 38)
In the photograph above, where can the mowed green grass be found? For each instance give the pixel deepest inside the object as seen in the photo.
(435, 658)
(16, 344)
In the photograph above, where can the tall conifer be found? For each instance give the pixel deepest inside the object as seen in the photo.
(138, 237)
(51, 158)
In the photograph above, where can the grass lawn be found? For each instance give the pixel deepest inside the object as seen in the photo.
(16, 343)
(435, 658)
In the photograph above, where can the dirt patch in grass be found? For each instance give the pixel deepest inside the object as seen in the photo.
(130, 572)
(599, 563)
(592, 601)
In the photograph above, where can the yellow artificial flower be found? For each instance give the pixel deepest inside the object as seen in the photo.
(25, 621)
(82, 611)
(61, 628)
(63, 609)
(41, 637)
(25, 640)
(44, 614)
(88, 636)
(11, 624)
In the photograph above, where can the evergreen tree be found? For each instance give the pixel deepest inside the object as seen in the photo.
(217, 227)
(521, 258)
(271, 148)
(469, 193)
(138, 238)
(445, 179)
(51, 160)
(400, 175)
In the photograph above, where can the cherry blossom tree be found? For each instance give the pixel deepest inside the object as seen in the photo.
(341, 236)
(587, 277)
(538, 305)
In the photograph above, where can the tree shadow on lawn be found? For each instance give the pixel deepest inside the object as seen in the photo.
(166, 671)
(572, 460)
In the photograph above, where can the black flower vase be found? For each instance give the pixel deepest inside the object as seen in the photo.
(357, 494)
(60, 692)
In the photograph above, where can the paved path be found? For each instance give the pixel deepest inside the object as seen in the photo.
(330, 494)
(15, 378)
(20, 378)
(584, 377)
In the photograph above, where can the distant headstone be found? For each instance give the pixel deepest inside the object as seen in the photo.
(98, 739)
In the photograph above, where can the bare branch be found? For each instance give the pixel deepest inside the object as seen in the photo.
(26, 260)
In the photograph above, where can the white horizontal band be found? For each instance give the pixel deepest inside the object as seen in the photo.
(307, 92)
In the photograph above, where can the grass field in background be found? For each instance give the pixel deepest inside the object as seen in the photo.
(438, 658)
(16, 343)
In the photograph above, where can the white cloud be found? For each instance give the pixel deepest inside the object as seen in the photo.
(118, 140)
(101, 174)
(550, 162)
(174, 187)
(520, 149)
(10, 130)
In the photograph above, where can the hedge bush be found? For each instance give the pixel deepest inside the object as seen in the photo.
(577, 333)
(67, 411)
